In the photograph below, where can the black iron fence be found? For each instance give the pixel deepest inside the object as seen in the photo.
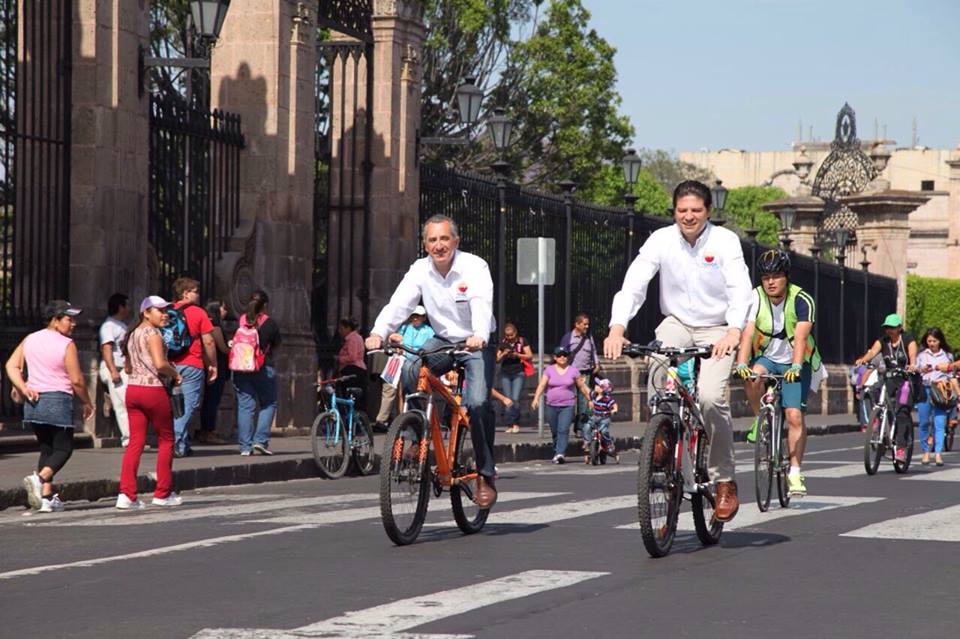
(194, 203)
(35, 64)
(600, 247)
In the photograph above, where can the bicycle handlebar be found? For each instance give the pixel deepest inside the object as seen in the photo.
(334, 380)
(453, 349)
(656, 348)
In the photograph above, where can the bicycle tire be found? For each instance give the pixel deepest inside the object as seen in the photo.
(948, 438)
(404, 479)
(361, 444)
(658, 478)
(594, 452)
(328, 439)
(763, 459)
(470, 518)
(872, 445)
(902, 467)
(704, 520)
(783, 494)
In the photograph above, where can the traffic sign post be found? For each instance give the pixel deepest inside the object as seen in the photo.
(536, 264)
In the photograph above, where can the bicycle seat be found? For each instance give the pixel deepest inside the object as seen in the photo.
(354, 392)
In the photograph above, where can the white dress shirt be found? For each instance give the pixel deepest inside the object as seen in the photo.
(459, 305)
(703, 285)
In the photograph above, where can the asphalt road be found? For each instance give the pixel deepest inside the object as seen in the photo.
(561, 556)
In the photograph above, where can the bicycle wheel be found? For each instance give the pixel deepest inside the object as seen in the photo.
(405, 478)
(783, 455)
(594, 452)
(872, 444)
(328, 437)
(704, 501)
(470, 518)
(762, 458)
(659, 486)
(904, 466)
(361, 446)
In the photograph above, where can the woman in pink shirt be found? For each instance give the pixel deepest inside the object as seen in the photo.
(350, 359)
(54, 380)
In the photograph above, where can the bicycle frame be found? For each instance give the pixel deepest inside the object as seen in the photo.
(771, 400)
(676, 393)
(335, 405)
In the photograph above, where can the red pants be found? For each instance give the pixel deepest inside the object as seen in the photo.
(148, 404)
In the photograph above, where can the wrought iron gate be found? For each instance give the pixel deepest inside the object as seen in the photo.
(35, 66)
(342, 147)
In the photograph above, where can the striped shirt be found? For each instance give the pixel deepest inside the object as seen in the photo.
(603, 404)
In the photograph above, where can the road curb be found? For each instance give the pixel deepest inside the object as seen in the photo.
(304, 468)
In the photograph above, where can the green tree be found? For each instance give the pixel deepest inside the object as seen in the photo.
(609, 187)
(744, 208)
(669, 171)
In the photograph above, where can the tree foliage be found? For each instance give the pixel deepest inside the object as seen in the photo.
(934, 301)
(744, 208)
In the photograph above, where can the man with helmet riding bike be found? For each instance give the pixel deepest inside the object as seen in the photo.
(778, 340)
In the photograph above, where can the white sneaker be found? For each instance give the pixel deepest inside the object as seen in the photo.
(244, 453)
(52, 505)
(262, 449)
(125, 503)
(34, 490)
(558, 459)
(173, 499)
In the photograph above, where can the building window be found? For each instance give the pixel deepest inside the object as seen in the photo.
(926, 185)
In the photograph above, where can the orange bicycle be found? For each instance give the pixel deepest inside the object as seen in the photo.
(428, 448)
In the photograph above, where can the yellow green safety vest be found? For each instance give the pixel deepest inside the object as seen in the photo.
(764, 323)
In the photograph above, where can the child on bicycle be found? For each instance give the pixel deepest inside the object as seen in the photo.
(604, 406)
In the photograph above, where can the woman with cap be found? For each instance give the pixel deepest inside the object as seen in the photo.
(55, 378)
(147, 401)
(413, 334)
(899, 349)
(560, 380)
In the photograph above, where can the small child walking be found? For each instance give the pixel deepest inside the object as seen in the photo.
(604, 406)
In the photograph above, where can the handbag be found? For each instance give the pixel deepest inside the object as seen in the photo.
(528, 369)
(177, 404)
(941, 394)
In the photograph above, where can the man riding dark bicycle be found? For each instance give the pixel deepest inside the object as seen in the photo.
(778, 340)
(457, 291)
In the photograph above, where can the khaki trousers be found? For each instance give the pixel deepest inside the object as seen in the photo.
(711, 390)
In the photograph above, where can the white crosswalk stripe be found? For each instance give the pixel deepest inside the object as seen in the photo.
(935, 525)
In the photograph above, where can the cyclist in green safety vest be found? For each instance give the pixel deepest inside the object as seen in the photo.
(778, 340)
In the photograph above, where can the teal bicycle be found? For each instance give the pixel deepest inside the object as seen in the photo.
(341, 433)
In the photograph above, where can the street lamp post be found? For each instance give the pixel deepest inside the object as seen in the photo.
(788, 216)
(567, 186)
(752, 233)
(500, 128)
(815, 253)
(719, 193)
(840, 237)
(631, 172)
(865, 264)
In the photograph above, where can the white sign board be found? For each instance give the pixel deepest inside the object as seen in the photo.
(536, 255)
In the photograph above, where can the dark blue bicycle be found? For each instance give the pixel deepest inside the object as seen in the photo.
(341, 433)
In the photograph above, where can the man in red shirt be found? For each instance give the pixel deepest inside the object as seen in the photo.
(197, 363)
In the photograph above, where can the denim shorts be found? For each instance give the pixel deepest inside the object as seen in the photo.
(54, 408)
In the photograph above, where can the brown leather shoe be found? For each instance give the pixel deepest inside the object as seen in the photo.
(727, 501)
(486, 495)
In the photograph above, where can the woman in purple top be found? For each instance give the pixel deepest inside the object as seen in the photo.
(937, 352)
(560, 380)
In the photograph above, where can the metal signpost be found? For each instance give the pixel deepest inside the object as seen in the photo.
(536, 264)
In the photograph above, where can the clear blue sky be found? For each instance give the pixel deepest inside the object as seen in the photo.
(743, 73)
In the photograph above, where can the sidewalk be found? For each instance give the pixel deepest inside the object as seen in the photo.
(92, 473)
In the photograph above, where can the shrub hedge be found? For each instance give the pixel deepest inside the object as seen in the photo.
(934, 301)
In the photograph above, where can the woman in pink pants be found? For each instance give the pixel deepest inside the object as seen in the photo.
(147, 401)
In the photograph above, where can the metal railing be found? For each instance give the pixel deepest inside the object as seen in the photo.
(600, 248)
(194, 204)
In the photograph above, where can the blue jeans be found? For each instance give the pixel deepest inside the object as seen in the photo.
(478, 380)
(259, 386)
(559, 418)
(924, 411)
(192, 386)
(511, 384)
(600, 423)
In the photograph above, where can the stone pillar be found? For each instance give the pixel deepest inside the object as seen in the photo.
(263, 69)
(953, 233)
(884, 224)
(804, 231)
(109, 179)
(395, 189)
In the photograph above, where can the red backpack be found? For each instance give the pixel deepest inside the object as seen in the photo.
(246, 355)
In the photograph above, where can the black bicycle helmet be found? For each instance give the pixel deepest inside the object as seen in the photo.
(774, 261)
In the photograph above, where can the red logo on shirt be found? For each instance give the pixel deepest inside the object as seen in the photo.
(462, 287)
(708, 259)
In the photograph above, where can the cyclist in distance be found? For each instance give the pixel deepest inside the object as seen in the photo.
(778, 340)
(898, 348)
(457, 291)
(704, 294)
